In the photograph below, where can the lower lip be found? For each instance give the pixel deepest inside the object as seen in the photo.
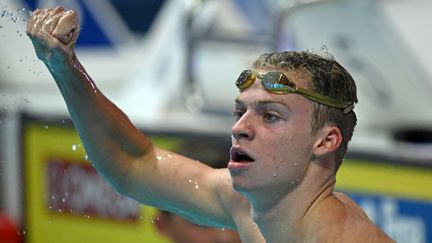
(239, 165)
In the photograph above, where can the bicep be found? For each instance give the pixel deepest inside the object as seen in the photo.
(181, 185)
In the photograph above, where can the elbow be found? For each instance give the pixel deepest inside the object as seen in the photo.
(130, 178)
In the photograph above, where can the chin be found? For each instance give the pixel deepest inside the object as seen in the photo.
(243, 185)
(246, 183)
(239, 183)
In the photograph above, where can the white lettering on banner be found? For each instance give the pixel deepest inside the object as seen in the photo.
(401, 228)
(77, 188)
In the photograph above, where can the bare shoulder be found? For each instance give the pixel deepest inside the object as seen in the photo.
(339, 219)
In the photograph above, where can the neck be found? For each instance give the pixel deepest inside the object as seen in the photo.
(281, 217)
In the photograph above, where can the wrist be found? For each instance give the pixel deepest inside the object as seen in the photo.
(60, 61)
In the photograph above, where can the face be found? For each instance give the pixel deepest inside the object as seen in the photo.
(180, 230)
(272, 139)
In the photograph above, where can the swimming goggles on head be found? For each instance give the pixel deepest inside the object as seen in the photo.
(276, 82)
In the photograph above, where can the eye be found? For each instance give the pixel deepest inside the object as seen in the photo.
(271, 118)
(238, 114)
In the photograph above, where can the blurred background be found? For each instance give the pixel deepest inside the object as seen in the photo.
(170, 66)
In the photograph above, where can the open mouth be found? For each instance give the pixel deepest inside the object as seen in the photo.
(239, 156)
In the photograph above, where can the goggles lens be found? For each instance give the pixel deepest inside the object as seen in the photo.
(276, 82)
(246, 79)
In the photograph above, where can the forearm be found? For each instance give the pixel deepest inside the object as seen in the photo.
(109, 137)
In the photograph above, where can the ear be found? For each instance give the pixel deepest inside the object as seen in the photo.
(328, 141)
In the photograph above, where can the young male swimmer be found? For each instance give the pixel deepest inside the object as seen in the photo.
(294, 120)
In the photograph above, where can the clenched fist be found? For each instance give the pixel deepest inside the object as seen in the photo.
(53, 32)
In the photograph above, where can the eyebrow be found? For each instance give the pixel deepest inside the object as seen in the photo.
(261, 103)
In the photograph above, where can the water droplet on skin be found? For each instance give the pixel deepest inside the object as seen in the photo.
(274, 174)
(295, 164)
(170, 155)
(194, 182)
(158, 157)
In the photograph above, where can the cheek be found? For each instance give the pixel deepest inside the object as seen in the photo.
(279, 148)
(291, 146)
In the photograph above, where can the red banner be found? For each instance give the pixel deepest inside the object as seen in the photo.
(78, 189)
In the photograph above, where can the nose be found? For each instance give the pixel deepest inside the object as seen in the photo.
(243, 128)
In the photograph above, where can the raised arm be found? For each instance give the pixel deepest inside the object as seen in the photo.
(118, 150)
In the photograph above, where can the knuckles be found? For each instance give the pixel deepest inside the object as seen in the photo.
(60, 24)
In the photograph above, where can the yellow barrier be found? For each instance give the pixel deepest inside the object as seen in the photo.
(49, 220)
(370, 177)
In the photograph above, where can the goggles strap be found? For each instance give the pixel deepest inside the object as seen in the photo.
(323, 99)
